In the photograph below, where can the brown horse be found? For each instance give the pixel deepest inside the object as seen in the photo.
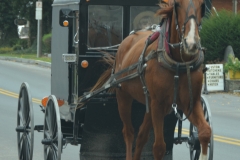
(182, 63)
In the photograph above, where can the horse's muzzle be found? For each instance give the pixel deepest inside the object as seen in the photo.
(191, 47)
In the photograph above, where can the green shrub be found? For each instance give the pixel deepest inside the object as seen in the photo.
(23, 43)
(5, 50)
(218, 32)
(17, 47)
(47, 42)
(232, 64)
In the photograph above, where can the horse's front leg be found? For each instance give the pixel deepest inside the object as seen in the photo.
(159, 146)
(143, 135)
(124, 108)
(204, 130)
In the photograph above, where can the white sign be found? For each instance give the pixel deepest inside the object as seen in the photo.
(215, 77)
(38, 4)
(38, 13)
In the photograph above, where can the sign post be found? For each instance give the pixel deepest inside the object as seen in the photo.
(235, 6)
(215, 77)
(38, 16)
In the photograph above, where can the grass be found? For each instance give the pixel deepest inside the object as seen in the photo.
(32, 56)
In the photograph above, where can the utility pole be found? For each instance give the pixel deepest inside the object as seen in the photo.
(38, 16)
(234, 6)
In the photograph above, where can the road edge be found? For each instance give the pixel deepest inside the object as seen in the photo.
(29, 61)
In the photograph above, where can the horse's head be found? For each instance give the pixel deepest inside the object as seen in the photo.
(188, 15)
(186, 22)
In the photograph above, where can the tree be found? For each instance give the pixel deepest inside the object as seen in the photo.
(10, 10)
(8, 31)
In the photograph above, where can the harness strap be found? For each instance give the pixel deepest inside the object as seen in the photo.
(170, 64)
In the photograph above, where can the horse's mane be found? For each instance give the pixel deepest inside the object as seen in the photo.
(166, 8)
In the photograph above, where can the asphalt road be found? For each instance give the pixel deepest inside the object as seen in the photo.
(225, 110)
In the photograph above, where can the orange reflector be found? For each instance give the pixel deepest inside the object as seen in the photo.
(84, 64)
(60, 102)
(45, 100)
(65, 23)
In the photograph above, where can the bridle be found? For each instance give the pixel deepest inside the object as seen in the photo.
(180, 44)
(192, 16)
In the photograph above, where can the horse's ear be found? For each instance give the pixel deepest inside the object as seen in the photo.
(166, 3)
(203, 9)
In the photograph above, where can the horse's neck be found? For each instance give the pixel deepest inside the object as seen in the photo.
(175, 38)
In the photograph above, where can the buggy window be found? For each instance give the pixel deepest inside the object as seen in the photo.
(104, 25)
(142, 17)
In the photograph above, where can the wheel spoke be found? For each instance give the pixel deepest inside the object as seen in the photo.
(20, 141)
(55, 154)
(21, 148)
(47, 134)
(26, 109)
(50, 154)
(28, 139)
(54, 125)
(27, 150)
(20, 112)
(24, 150)
(55, 147)
(48, 124)
(45, 148)
(23, 107)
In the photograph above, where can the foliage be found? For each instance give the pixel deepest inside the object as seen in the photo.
(10, 10)
(27, 10)
(47, 42)
(26, 56)
(8, 31)
(218, 32)
(5, 50)
(17, 47)
(232, 64)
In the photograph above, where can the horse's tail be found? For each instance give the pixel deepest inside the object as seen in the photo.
(110, 60)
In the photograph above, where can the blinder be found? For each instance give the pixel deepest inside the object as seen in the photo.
(203, 11)
(192, 16)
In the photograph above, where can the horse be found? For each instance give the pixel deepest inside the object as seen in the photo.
(169, 79)
(97, 37)
(98, 32)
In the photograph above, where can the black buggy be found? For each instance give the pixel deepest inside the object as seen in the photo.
(81, 32)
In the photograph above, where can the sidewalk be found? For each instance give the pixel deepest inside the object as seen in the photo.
(29, 61)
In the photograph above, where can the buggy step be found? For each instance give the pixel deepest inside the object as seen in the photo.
(38, 128)
(72, 141)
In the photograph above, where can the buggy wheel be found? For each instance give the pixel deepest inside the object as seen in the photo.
(52, 135)
(25, 124)
(194, 147)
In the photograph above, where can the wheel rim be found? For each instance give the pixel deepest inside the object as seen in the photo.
(52, 131)
(25, 120)
(194, 154)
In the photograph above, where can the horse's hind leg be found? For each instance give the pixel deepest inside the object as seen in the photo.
(143, 135)
(204, 130)
(124, 108)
